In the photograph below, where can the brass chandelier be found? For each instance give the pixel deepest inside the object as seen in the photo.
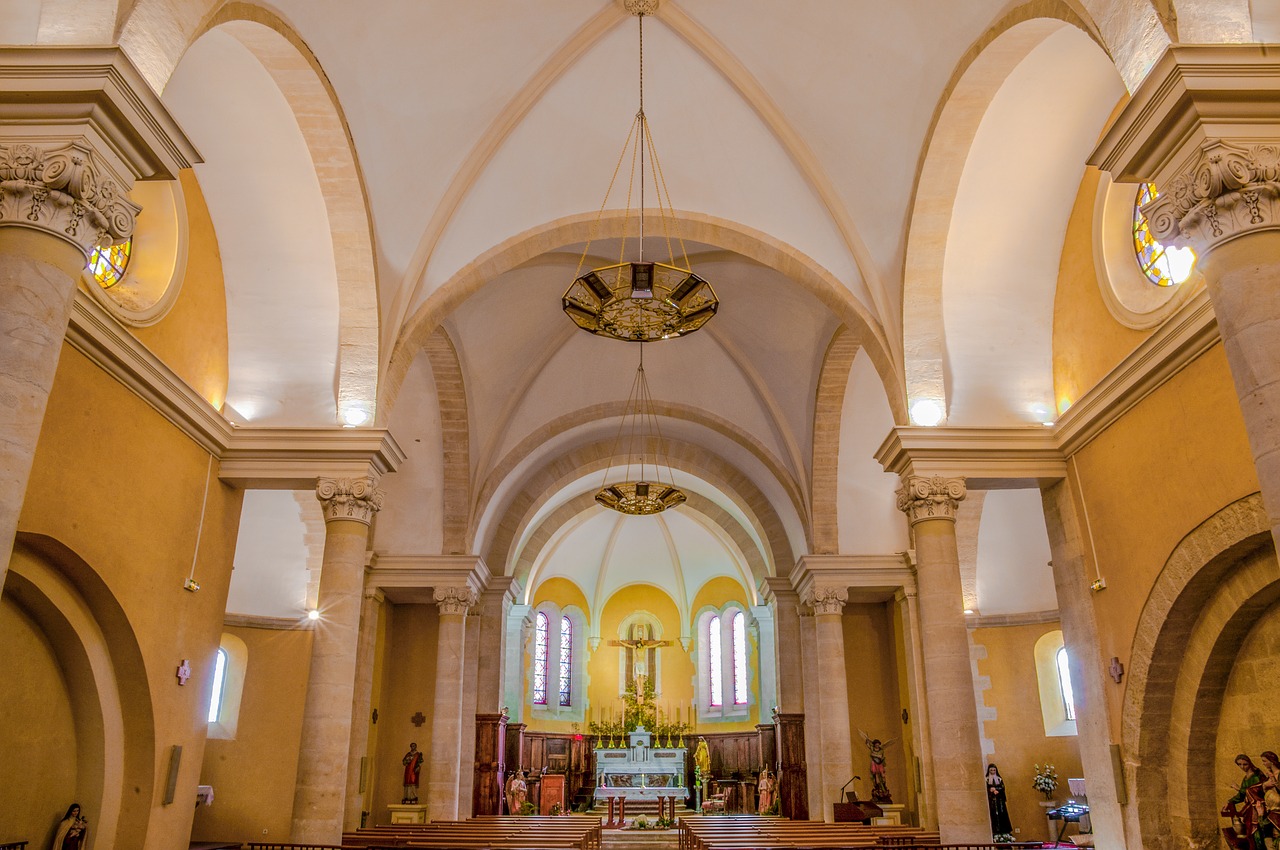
(640, 301)
(643, 489)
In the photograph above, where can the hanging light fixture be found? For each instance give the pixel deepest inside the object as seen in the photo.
(642, 488)
(640, 301)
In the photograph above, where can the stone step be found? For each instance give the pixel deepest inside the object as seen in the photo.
(640, 839)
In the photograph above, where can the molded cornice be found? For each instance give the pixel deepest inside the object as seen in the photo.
(408, 578)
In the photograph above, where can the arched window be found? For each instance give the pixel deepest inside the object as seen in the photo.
(1162, 266)
(566, 661)
(714, 656)
(219, 686)
(724, 671)
(108, 265)
(541, 641)
(739, 658)
(1064, 682)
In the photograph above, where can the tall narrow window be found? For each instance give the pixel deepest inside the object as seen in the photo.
(1064, 680)
(541, 637)
(566, 661)
(713, 652)
(219, 686)
(739, 659)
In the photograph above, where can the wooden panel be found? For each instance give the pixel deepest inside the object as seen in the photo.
(486, 788)
(793, 779)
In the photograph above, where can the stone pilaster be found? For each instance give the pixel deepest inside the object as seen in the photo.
(1204, 127)
(924, 794)
(518, 626)
(447, 732)
(361, 708)
(792, 742)
(766, 634)
(930, 505)
(490, 758)
(833, 692)
(814, 754)
(319, 796)
(77, 128)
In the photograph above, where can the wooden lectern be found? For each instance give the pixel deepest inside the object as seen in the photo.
(552, 793)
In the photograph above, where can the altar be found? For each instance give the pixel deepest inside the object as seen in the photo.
(641, 771)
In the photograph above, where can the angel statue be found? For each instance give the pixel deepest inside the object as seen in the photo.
(876, 747)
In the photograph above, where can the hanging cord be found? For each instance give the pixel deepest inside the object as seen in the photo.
(644, 135)
(208, 472)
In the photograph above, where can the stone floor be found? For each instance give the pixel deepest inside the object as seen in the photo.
(640, 839)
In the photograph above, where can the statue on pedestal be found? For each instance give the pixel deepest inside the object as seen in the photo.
(412, 762)
(879, 787)
(517, 792)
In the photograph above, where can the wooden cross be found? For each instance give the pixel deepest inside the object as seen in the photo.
(418, 719)
(184, 671)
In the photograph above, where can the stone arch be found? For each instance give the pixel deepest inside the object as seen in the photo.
(964, 102)
(833, 380)
(694, 227)
(107, 680)
(519, 510)
(455, 437)
(1213, 586)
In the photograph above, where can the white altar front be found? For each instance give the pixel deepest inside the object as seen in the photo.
(641, 771)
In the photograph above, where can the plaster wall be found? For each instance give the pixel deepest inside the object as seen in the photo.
(1087, 340)
(122, 488)
(37, 731)
(407, 688)
(1018, 726)
(192, 338)
(253, 774)
(874, 708)
(1175, 458)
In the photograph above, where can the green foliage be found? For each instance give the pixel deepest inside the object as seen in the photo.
(641, 710)
(526, 808)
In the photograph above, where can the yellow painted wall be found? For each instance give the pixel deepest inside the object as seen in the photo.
(407, 688)
(717, 593)
(1175, 459)
(874, 708)
(1248, 722)
(1087, 340)
(563, 592)
(253, 775)
(1018, 728)
(37, 731)
(192, 338)
(122, 488)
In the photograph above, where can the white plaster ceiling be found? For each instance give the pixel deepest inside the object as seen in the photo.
(1005, 245)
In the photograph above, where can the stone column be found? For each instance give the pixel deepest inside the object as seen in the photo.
(470, 684)
(490, 741)
(930, 505)
(361, 707)
(1088, 678)
(319, 796)
(58, 202)
(814, 754)
(833, 693)
(447, 730)
(926, 806)
(1203, 127)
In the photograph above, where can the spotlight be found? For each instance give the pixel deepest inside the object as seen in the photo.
(313, 614)
(355, 416)
(926, 411)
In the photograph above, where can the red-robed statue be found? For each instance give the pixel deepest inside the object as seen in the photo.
(412, 762)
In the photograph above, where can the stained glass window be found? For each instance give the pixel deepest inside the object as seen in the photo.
(1064, 679)
(541, 637)
(566, 661)
(107, 265)
(219, 685)
(1162, 266)
(713, 653)
(739, 659)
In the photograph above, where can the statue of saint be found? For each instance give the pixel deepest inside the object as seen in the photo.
(412, 762)
(71, 830)
(517, 792)
(702, 758)
(768, 787)
(879, 787)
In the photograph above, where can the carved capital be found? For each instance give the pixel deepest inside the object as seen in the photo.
(934, 497)
(827, 600)
(454, 600)
(1230, 190)
(355, 499)
(66, 192)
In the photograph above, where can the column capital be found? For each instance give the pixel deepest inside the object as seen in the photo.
(1205, 127)
(66, 191)
(827, 599)
(923, 498)
(355, 499)
(454, 599)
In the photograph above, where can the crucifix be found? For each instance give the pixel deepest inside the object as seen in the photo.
(638, 666)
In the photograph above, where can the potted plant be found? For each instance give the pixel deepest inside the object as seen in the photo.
(1046, 780)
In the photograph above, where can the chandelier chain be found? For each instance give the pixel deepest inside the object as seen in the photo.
(594, 231)
(661, 183)
(644, 135)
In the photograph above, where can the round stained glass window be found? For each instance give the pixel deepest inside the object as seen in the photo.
(1162, 266)
(107, 265)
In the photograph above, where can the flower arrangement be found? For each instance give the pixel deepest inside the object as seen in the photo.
(1046, 780)
(1002, 838)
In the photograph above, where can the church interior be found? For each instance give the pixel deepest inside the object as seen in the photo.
(764, 406)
